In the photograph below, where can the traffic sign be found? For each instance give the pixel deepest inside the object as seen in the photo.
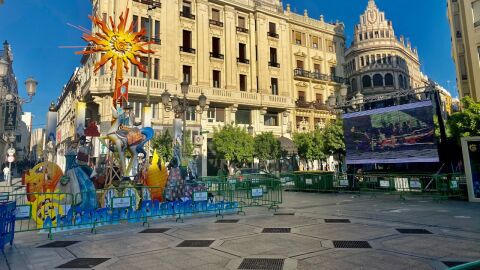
(11, 159)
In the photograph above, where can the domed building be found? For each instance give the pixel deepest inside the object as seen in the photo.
(378, 62)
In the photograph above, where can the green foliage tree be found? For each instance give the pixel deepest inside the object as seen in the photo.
(234, 144)
(318, 146)
(467, 122)
(304, 144)
(266, 147)
(333, 137)
(163, 143)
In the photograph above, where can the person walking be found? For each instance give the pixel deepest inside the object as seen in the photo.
(6, 173)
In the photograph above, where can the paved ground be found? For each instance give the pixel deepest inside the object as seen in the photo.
(454, 236)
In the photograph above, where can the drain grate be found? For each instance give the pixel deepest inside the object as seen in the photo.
(262, 264)
(351, 244)
(227, 221)
(414, 231)
(196, 243)
(284, 214)
(58, 244)
(276, 230)
(155, 230)
(83, 263)
(453, 263)
(337, 220)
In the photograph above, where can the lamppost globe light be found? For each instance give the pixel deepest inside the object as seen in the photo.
(250, 129)
(3, 67)
(332, 100)
(184, 86)
(31, 85)
(9, 97)
(202, 101)
(359, 98)
(12, 138)
(165, 98)
(175, 101)
(343, 90)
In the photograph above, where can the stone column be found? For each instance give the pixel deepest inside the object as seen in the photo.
(171, 34)
(203, 44)
(253, 60)
(230, 52)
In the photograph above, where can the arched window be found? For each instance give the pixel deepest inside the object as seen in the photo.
(388, 79)
(366, 81)
(401, 82)
(377, 80)
(354, 85)
(405, 82)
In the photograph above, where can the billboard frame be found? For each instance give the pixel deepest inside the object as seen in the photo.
(468, 166)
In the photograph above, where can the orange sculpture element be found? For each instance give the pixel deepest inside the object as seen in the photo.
(157, 177)
(42, 178)
(120, 45)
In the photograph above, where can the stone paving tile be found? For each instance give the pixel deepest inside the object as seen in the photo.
(279, 221)
(213, 230)
(349, 231)
(361, 259)
(272, 244)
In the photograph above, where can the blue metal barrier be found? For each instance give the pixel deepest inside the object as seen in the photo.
(7, 223)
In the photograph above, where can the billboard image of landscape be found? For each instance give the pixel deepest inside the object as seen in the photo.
(398, 134)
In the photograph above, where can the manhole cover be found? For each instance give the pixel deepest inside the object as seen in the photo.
(351, 244)
(155, 230)
(337, 220)
(227, 221)
(262, 264)
(276, 230)
(83, 263)
(414, 231)
(59, 244)
(196, 243)
(453, 263)
(284, 214)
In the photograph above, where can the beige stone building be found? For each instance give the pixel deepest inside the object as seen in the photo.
(258, 64)
(378, 62)
(464, 18)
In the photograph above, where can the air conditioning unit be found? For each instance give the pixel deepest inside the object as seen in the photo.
(198, 139)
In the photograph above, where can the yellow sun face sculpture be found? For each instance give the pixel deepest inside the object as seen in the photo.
(119, 44)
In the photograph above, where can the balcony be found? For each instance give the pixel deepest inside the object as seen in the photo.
(216, 23)
(300, 103)
(243, 60)
(337, 79)
(458, 34)
(274, 64)
(242, 30)
(187, 49)
(187, 15)
(319, 76)
(153, 3)
(464, 77)
(217, 55)
(272, 34)
(300, 72)
(155, 40)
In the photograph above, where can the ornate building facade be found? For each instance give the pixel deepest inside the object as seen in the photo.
(258, 64)
(464, 18)
(377, 62)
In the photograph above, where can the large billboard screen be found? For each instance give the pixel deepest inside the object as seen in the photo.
(397, 134)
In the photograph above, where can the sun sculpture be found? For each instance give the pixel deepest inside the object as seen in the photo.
(120, 45)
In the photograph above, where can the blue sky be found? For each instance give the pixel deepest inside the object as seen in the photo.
(36, 28)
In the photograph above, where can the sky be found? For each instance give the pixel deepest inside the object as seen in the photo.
(36, 29)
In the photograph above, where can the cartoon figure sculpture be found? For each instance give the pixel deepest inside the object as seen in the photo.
(127, 139)
(157, 177)
(42, 178)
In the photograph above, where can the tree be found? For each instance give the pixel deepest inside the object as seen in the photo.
(266, 147)
(334, 140)
(163, 143)
(318, 146)
(234, 144)
(467, 122)
(304, 144)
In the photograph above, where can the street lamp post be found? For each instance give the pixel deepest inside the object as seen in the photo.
(172, 103)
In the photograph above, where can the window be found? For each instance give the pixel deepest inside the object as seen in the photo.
(362, 61)
(272, 28)
(316, 68)
(215, 114)
(144, 61)
(297, 36)
(319, 98)
(476, 13)
(389, 59)
(384, 58)
(354, 85)
(300, 64)
(377, 80)
(379, 59)
(156, 69)
(387, 34)
(270, 119)
(242, 116)
(243, 82)
(273, 55)
(156, 111)
(301, 96)
(135, 22)
(377, 35)
(382, 34)
(137, 108)
(370, 34)
(157, 32)
(360, 37)
(242, 51)
(133, 71)
(274, 82)
(333, 71)
(241, 22)
(190, 114)
(216, 15)
(368, 59)
(401, 82)
(330, 46)
(388, 79)
(102, 69)
(187, 74)
(187, 8)
(215, 46)
(315, 42)
(366, 81)
(365, 36)
(216, 79)
(187, 39)
(144, 24)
